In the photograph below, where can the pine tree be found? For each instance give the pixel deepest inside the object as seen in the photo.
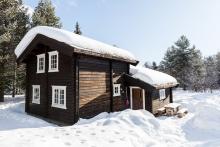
(218, 67)
(77, 29)
(154, 65)
(211, 76)
(44, 14)
(178, 60)
(196, 71)
(147, 65)
(12, 15)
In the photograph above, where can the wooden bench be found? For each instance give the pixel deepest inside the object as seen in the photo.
(182, 112)
(161, 111)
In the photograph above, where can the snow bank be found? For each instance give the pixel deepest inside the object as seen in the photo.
(125, 119)
(152, 77)
(13, 116)
(205, 122)
(129, 128)
(207, 117)
(73, 40)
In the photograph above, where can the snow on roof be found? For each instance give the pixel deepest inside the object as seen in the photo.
(152, 77)
(73, 40)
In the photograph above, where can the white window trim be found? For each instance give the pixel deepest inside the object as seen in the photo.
(35, 101)
(38, 57)
(51, 54)
(162, 94)
(119, 89)
(62, 106)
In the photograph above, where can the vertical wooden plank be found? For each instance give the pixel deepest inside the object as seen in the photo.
(47, 81)
(76, 87)
(27, 96)
(111, 86)
(148, 100)
(128, 68)
(131, 100)
(171, 95)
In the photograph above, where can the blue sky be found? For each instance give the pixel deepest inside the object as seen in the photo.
(144, 27)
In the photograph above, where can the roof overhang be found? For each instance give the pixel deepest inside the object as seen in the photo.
(65, 48)
(142, 84)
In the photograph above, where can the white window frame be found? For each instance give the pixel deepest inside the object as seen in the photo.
(162, 94)
(57, 67)
(38, 63)
(118, 86)
(35, 101)
(58, 105)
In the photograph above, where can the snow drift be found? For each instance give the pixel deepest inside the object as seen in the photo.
(129, 128)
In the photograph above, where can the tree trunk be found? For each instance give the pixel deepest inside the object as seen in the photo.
(14, 79)
(1, 94)
(2, 82)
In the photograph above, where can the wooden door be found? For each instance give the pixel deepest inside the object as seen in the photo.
(137, 97)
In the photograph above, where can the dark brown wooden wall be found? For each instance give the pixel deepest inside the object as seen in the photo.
(94, 86)
(119, 102)
(65, 77)
(157, 103)
(36, 79)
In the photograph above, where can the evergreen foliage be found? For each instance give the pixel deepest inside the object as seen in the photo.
(13, 25)
(218, 67)
(77, 29)
(211, 77)
(185, 63)
(44, 14)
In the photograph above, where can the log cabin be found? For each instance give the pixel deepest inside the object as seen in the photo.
(69, 76)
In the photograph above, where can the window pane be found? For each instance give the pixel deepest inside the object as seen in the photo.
(41, 63)
(56, 93)
(53, 61)
(61, 97)
(162, 94)
(36, 93)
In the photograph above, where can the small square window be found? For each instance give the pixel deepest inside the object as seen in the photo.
(36, 94)
(162, 94)
(53, 61)
(41, 63)
(116, 89)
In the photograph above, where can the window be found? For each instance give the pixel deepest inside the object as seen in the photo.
(53, 61)
(41, 63)
(36, 94)
(59, 96)
(116, 89)
(162, 94)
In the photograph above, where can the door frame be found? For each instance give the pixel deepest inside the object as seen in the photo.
(131, 96)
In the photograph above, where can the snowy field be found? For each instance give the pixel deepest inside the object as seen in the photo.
(200, 128)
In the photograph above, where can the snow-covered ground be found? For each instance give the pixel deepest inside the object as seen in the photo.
(201, 127)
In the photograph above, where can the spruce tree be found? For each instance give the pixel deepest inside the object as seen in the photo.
(218, 67)
(178, 61)
(44, 14)
(195, 76)
(12, 15)
(77, 29)
(154, 65)
(147, 65)
(211, 74)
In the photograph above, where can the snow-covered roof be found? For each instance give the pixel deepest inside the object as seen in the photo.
(152, 77)
(74, 40)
